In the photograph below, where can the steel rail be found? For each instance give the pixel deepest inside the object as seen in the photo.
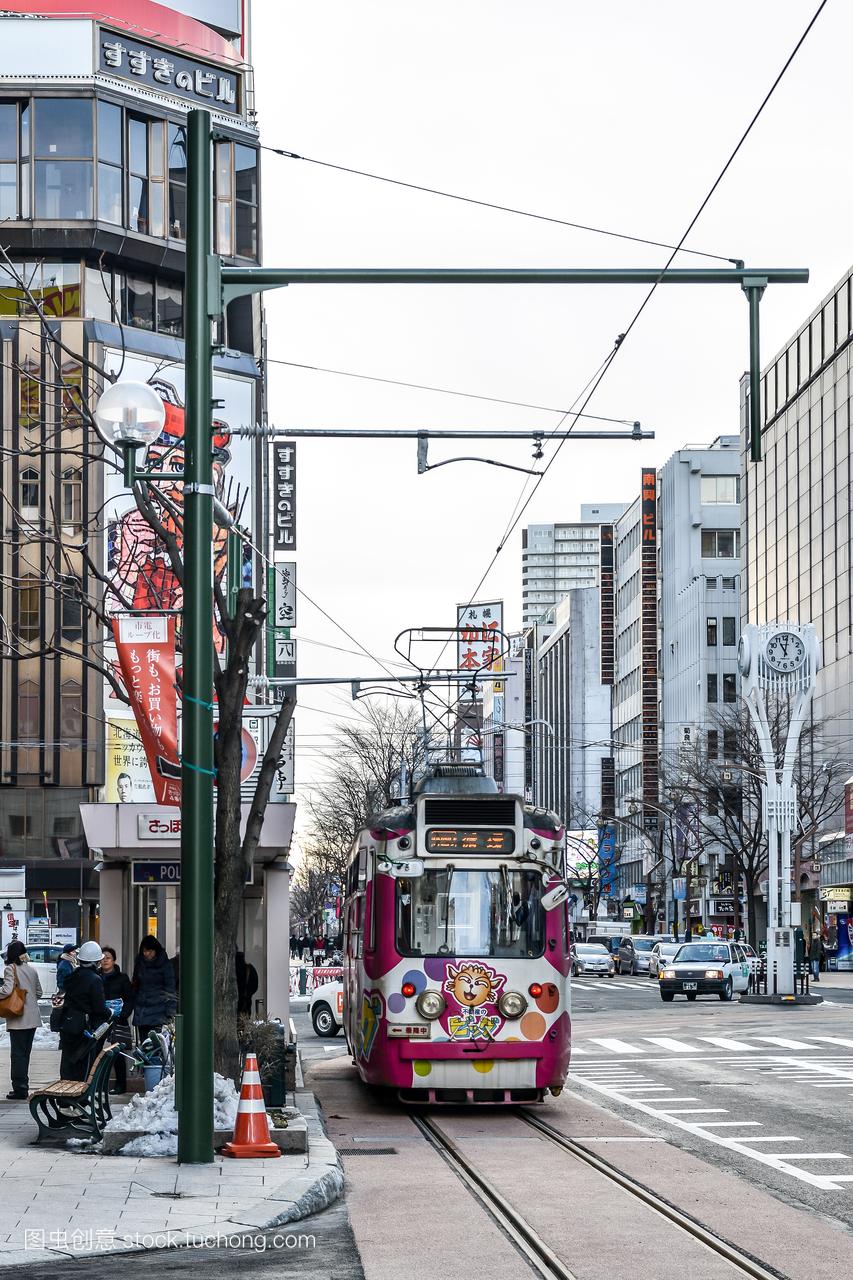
(529, 1244)
(747, 1265)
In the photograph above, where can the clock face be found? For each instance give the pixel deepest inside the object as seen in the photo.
(743, 656)
(785, 651)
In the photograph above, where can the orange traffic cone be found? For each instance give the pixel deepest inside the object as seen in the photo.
(252, 1129)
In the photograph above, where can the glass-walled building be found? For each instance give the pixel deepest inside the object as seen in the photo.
(93, 203)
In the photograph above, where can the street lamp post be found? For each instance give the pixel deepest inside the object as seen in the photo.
(779, 663)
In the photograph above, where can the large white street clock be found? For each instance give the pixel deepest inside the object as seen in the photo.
(785, 651)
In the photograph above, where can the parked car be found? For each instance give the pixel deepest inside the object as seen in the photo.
(327, 1009)
(592, 959)
(43, 959)
(635, 951)
(705, 968)
(609, 941)
(660, 954)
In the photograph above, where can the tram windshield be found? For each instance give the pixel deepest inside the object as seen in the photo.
(471, 913)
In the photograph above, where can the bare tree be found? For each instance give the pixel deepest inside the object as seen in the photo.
(720, 792)
(61, 422)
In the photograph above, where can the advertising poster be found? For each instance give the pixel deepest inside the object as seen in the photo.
(146, 655)
(128, 777)
(138, 568)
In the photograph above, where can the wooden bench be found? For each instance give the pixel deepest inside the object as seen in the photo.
(76, 1106)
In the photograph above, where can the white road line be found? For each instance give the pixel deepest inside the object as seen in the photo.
(786, 1044)
(821, 1155)
(785, 1137)
(678, 1099)
(692, 1111)
(647, 1088)
(771, 1159)
(617, 1046)
(724, 1043)
(848, 1044)
(732, 1124)
(677, 1046)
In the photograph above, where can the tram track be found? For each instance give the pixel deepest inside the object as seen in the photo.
(536, 1252)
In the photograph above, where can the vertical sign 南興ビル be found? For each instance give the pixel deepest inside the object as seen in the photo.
(607, 604)
(479, 640)
(649, 638)
(284, 496)
(146, 654)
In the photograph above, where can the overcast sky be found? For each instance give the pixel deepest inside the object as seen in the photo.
(615, 114)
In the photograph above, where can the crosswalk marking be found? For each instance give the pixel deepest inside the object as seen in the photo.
(694, 1111)
(724, 1043)
(847, 1044)
(820, 1155)
(618, 1046)
(734, 1124)
(785, 1043)
(677, 1046)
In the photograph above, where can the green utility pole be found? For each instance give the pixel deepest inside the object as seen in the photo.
(195, 1121)
(210, 287)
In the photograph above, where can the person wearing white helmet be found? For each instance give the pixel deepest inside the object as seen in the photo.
(84, 1008)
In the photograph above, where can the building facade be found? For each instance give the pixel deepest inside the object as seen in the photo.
(558, 558)
(93, 197)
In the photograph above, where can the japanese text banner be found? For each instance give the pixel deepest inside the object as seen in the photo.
(146, 654)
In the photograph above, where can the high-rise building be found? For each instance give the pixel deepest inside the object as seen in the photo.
(796, 520)
(558, 558)
(93, 198)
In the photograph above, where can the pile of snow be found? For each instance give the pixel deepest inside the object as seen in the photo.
(44, 1038)
(153, 1116)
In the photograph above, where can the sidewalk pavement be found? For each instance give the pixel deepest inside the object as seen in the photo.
(828, 981)
(59, 1203)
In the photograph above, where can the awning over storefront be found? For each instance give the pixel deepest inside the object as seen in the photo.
(124, 832)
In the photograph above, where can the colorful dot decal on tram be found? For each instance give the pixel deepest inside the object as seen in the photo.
(532, 1026)
(482, 1066)
(435, 967)
(549, 1000)
(417, 978)
(396, 1002)
(422, 1068)
(371, 1013)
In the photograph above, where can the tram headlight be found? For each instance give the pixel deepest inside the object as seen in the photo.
(512, 1004)
(430, 1004)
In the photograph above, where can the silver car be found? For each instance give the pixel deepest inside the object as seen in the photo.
(661, 954)
(592, 960)
(635, 952)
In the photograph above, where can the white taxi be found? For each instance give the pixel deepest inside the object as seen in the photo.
(327, 1009)
(705, 968)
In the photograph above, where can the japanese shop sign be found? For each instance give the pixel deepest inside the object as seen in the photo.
(146, 654)
(153, 826)
(284, 594)
(283, 783)
(479, 640)
(284, 496)
(198, 82)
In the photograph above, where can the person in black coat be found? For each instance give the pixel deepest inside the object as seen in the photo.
(154, 994)
(118, 994)
(83, 1009)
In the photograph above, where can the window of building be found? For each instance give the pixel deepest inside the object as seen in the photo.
(730, 744)
(721, 544)
(710, 584)
(712, 804)
(712, 686)
(713, 744)
(29, 610)
(28, 713)
(729, 630)
(729, 687)
(719, 489)
(9, 143)
(711, 631)
(138, 308)
(71, 713)
(30, 494)
(246, 193)
(99, 295)
(71, 622)
(177, 167)
(64, 183)
(110, 159)
(72, 496)
(729, 584)
(170, 309)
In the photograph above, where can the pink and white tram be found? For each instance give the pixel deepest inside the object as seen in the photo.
(456, 946)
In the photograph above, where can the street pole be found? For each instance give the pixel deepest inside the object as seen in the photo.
(195, 1058)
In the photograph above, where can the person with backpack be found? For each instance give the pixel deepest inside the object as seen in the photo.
(21, 990)
(83, 1010)
(154, 993)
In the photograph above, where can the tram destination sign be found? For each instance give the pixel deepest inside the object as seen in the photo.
(470, 840)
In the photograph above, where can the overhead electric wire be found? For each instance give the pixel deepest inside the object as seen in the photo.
(491, 204)
(446, 391)
(620, 340)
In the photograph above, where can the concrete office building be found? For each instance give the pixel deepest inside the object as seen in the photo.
(572, 698)
(93, 198)
(558, 558)
(796, 511)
